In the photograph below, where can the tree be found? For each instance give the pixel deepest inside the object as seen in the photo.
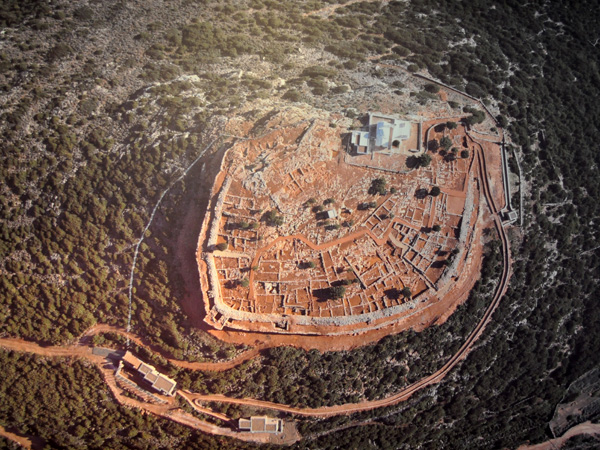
(245, 283)
(433, 145)
(337, 292)
(328, 201)
(476, 117)
(311, 265)
(273, 218)
(435, 191)
(378, 186)
(424, 160)
(222, 246)
(446, 143)
(436, 228)
(406, 292)
(502, 121)
(464, 154)
(451, 125)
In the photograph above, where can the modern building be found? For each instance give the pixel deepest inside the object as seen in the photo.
(331, 213)
(382, 134)
(261, 424)
(157, 380)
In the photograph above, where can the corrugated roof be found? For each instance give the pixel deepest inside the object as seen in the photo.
(133, 361)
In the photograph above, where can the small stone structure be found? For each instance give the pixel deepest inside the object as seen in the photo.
(261, 424)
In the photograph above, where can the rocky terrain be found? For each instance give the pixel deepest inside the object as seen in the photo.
(114, 118)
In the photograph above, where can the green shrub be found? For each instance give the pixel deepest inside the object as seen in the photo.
(292, 95)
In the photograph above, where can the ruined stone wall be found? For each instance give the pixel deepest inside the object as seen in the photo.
(465, 226)
(213, 232)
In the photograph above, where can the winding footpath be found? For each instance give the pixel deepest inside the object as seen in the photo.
(150, 220)
(83, 349)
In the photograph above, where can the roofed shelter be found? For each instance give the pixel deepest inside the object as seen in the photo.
(156, 379)
(261, 424)
(383, 134)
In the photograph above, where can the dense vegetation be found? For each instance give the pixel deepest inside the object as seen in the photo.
(80, 412)
(546, 331)
(312, 379)
(82, 173)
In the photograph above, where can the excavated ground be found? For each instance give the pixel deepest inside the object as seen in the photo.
(261, 291)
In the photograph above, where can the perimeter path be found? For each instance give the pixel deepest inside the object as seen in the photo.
(23, 441)
(434, 378)
(83, 350)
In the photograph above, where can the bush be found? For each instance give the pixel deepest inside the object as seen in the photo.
(59, 51)
(222, 246)
(84, 13)
(432, 88)
(424, 160)
(340, 89)
(292, 95)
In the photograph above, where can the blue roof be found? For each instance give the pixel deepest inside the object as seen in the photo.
(379, 133)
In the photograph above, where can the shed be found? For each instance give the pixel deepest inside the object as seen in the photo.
(261, 424)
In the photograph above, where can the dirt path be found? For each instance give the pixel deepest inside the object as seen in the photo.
(588, 427)
(21, 440)
(85, 351)
(328, 10)
(434, 378)
(204, 366)
(170, 410)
